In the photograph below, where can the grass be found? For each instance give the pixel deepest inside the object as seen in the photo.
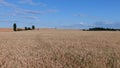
(49, 48)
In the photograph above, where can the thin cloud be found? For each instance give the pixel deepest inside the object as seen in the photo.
(8, 21)
(52, 11)
(42, 4)
(81, 25)
(5, 3)
(107, 24)
(100, 23)
(27, 2)
(80, 15)
(34, 18)
(94, 18)
(0, 5)
(87, 25)
(25, 11)
(88, 16)
(33, 12)
(30, 17)
(30, 2)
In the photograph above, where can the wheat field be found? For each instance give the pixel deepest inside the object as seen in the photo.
(52, 48)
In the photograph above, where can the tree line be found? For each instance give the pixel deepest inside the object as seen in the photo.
(26, 28)
(101, 29)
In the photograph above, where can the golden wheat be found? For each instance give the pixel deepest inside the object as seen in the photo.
(49, 48)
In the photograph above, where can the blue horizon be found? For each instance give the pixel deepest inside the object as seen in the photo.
(60, 13)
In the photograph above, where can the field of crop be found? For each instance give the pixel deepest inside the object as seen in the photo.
(50, 48)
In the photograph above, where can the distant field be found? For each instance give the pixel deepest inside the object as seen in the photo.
(6, 29)
(50, 48)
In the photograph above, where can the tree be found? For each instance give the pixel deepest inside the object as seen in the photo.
(33, 27)
(29, 28)
(26, 28)
(14, 27)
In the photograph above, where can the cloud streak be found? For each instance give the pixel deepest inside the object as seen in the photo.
(94, 18)
(25, 11)
(88, 16)
(5, 3)
(30, 17)
(8, 21)
(52, 11)
(30, 2)
(35, 12)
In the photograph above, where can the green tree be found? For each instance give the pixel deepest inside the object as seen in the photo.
(33, 27)
(26, 28)
(29, 28)
(14, 27)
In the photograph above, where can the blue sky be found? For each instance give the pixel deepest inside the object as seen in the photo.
(60, 13)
